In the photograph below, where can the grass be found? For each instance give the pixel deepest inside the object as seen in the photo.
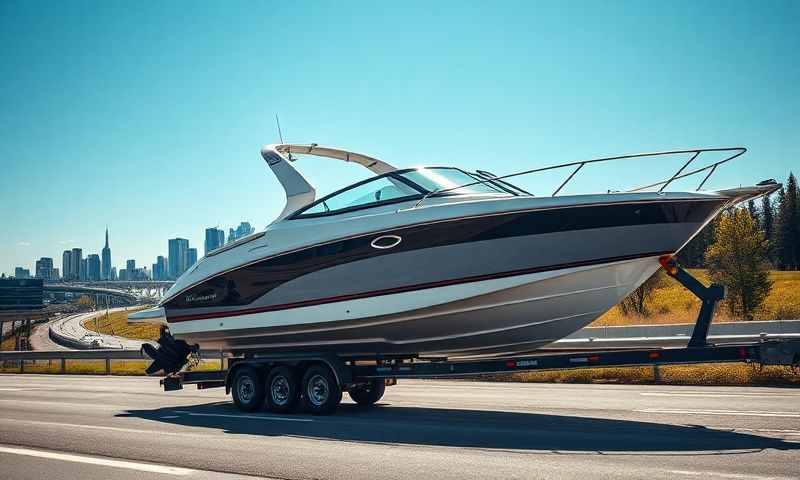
(672, 303)
(700, 374)
(116, 323)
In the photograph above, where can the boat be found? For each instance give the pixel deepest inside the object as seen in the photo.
(431, 261)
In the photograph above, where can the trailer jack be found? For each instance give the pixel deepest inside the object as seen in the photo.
(709, 296)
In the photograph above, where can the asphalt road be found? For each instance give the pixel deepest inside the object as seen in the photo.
(114, 427)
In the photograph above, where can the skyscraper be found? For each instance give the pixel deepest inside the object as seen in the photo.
(20, 272)
(75, 264)
(82, 274)
(215, 238)
(160, 269)
(66, 265)
(106, 267)
(93, 267)
(177, 256)
(44, 268)
(244, 229)
(191, 257)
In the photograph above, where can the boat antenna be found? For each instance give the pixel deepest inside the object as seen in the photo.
(280, 135)
(278, 122)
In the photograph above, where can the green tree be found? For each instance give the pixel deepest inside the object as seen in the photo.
(694, 253)
(636, 302)
(738, 260)
(767, 224)
(787, 226)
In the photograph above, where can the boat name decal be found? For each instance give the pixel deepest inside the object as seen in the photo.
(200, 298)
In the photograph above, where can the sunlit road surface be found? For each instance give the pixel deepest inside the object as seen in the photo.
(65, 427)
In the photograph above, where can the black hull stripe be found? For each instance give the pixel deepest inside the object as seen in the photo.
(411, 288)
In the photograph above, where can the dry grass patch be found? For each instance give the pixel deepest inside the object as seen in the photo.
(116, 323)
(672, 303)
(700, 374)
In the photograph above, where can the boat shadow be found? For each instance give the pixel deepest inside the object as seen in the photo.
(387, 424)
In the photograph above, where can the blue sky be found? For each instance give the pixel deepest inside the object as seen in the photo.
(149, 116)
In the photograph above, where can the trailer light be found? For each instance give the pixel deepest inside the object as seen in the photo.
(669, 264)
(595, 358)
(511, 364)
(654, 355)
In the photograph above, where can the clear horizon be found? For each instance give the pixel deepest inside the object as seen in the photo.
(150, 119)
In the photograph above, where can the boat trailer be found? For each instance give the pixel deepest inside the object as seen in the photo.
(320, 378)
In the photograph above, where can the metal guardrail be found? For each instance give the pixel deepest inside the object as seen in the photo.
(107, 355)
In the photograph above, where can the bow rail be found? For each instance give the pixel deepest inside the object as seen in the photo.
(679, 174)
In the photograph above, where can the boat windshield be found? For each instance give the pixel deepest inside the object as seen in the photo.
(443, 178)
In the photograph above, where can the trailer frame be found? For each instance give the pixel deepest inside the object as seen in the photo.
(353, 373)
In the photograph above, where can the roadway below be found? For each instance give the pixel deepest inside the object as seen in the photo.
(95, 427)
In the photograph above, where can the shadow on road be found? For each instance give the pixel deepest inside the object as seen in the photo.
(469, 428)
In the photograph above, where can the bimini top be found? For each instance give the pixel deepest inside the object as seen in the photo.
(298, 191)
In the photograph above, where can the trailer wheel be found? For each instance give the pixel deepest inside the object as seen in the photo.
(283, 390)
(321, 391)
(248, 389)
(369, 393)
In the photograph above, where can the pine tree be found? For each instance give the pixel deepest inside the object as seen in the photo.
(737, 259)
(787, 226)
(767, 224)
(751, 207)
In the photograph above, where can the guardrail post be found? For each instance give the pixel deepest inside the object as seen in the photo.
(108, 365)
(63, 365)
(656, 373)
(21, 366)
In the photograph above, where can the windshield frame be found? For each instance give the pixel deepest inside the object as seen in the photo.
(396, 175)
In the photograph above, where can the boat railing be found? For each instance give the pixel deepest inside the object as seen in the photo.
(679, 174)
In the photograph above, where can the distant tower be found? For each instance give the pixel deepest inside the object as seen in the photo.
(106, 273)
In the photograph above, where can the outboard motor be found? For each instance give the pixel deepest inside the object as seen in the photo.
(170, 355)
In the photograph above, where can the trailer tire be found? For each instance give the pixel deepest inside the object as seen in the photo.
(321, 391)
(248, 389)
(369, 393)
(282, 389)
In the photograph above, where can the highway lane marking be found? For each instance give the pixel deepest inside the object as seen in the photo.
(249, 417)
(714, 395)
(99, 427)
(745, 413)
(735, 476)
(104, 462)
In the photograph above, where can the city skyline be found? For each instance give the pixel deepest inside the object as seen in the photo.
(523, 85)
(101, 270)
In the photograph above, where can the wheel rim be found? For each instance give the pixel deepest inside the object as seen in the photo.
(280, 390)
(246, 389)
(318, 390)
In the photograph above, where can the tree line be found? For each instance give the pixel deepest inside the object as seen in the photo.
(777, 218)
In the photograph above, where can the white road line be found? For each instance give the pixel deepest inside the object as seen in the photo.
(249, 417)
(712, 395)
(735, 476)
(78, 426)
(745, 413)
(104, 462)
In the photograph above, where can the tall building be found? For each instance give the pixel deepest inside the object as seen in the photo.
(215, 238)
(75, 264)
(44, 268)
(191, 257)
(106, 266)
(93, 267)
(113, 273)
(55, 276)
(20, 272)
(83, 274)
(244, 229)
(66, 265)
(130, 265)
(160, 270)
(177, 256)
